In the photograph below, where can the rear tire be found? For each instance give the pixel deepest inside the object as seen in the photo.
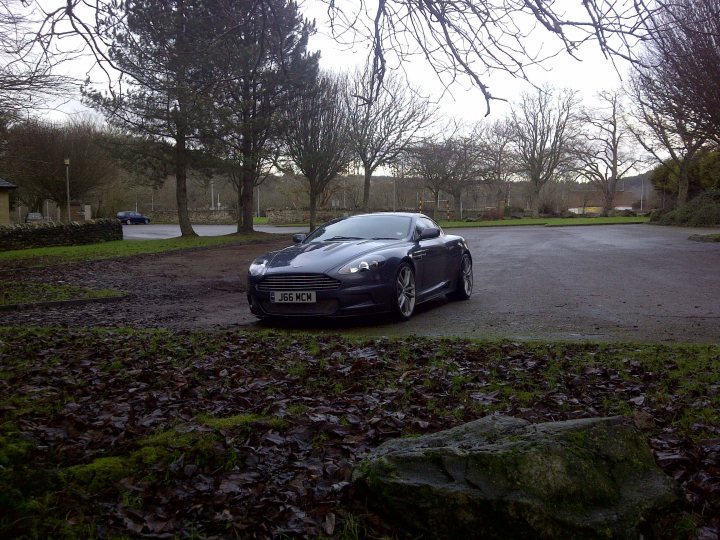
(464, 287)
(405, 292)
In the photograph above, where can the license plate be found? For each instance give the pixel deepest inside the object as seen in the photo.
(292, 297)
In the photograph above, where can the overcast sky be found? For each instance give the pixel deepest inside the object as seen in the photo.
(592, 73)
(461, 101)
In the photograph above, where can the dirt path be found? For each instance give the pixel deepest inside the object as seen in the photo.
(181, 290)
(615, 283)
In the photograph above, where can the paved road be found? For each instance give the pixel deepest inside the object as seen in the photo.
(152, 232)
(632, 282)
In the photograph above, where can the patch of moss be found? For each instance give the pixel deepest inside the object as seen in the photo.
(230, 422)
(99, 474)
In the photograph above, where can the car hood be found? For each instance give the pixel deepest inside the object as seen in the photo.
(321, 257)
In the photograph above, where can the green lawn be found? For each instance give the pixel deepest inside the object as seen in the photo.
(119, 248)
(547, 222)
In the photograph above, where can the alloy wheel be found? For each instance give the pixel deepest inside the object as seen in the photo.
(405, 288)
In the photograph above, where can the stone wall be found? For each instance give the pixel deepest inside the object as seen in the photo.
(60, 234)
(299, 215)
(197, 217)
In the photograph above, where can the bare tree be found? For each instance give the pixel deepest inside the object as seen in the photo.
(664, 124)
(449, 164)
(431, 161)
(603, 152)
(35, 161)
(383, 120)
(316, 136)
(542, 122)
(456, 37)
(684, 53)
(498, 160)
(480, 38)
(261, 68)
(27, 80)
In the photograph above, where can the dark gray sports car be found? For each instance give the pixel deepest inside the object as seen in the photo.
(385, 262)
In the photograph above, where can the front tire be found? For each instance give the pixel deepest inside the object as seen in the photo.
(405, 292)
(464, 287)
(128, 222)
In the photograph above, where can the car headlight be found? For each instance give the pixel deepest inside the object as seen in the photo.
(364, 264)
(258, 267)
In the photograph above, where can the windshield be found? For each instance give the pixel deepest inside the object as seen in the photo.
(378, 227)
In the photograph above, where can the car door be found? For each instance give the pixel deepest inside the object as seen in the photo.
(429, 257)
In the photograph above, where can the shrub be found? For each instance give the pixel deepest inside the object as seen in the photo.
(702, 211)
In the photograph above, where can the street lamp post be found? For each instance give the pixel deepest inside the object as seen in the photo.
(67, 186)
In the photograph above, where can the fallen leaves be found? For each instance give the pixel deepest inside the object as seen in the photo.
(222, 434)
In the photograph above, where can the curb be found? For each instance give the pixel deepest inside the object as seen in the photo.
(61, 303)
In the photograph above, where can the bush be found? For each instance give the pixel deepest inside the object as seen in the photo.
(702, 211)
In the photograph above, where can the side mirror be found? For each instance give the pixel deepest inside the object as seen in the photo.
(429, 233)
(298, 238)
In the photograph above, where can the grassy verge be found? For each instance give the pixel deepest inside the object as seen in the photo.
(29, 292)
(105, 430)
(120, 248)
(705, 237)
(547, 222)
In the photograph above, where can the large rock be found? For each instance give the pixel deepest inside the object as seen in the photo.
(502, 477)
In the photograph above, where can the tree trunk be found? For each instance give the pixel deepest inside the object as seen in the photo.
(247, 206)
(608, 198)
(366, 189)
(240, 207)
(247, 181)
(247, 178)
(186, 228)
(181, 151)
(313, 207)
(535, 200)
(683, 183)
(457, 199)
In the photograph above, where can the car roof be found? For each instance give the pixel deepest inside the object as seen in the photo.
(402, 214)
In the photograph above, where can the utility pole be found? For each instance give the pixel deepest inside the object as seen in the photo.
(67, 186)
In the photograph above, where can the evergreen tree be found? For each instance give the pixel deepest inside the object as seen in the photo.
(261, 65)
(164, 52)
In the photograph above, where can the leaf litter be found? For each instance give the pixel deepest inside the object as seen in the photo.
(159, 434)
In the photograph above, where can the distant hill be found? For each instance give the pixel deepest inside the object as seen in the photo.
(634, 184)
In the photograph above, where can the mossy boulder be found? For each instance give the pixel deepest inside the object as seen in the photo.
(501, 477)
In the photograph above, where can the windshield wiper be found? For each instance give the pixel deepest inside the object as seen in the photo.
(385, 238)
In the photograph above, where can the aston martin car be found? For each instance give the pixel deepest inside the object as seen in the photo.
(370, 263)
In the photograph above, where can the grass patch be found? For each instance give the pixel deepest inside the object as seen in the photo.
(120, 248)
(547, 222)
(30, 292)
(705, 237)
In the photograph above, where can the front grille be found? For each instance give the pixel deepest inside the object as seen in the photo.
(298, 282)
